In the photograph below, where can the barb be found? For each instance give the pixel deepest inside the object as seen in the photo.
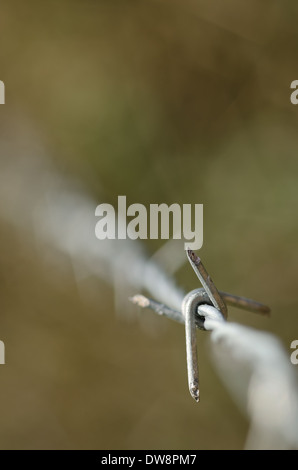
(157, 307)
(163, 310)
(206, 282)
(245, 304)
(189, 310)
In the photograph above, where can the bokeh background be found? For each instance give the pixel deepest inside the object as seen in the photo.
(162, 101)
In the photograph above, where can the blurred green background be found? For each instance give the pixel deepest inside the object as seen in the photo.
(162, 101)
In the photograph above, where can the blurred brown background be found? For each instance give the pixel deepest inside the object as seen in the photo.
(163, 101)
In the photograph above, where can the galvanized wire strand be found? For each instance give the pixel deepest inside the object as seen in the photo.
(62, 217)
(258, 373)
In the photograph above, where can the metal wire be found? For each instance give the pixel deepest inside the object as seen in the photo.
(245, 356)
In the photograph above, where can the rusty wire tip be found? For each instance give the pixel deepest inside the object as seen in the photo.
(264, 310)
(193, 257)
(140, 300)
(195, 392)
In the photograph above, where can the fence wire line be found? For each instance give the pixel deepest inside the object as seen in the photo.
(60, 214)
(258, 372)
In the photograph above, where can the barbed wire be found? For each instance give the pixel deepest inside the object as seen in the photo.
(62, 213)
